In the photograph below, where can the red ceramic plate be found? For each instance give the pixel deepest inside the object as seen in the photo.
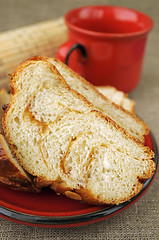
(46, 209)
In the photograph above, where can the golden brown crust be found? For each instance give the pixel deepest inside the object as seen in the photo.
(84, 195)
(10, 175)
(60, 187)
(41, 182)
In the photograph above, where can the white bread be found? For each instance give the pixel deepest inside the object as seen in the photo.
(12, 174)
(58, 137)
(118, 97)
(134, 125)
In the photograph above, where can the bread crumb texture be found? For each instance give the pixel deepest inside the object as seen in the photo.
(57, 135)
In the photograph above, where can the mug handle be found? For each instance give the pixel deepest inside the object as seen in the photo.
(67, 48)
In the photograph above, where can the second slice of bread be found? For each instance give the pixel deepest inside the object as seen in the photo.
(118, 97)
(58, 136)
(134, 125)
(11, 173)
(4, 99)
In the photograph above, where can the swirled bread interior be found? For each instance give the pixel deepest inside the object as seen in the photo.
(134, 125)
(57, 135)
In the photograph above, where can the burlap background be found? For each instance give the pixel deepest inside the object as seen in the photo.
(141, 221)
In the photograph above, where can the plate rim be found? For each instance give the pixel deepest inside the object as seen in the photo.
(81, 218)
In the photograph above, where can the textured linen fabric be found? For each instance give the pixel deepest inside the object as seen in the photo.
(141, 220)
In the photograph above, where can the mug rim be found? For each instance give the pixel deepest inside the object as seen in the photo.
(105, 34)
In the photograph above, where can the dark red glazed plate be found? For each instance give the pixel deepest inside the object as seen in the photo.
(46, 209)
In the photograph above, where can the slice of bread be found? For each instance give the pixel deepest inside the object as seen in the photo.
(11, 173)
(4, 99)
(58, 136)
(134, 125)
(107, 91)
(118, 97)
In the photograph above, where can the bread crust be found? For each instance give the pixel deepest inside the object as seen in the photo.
(41, 182)
(4, 99)
(86, 196)
(10, 175)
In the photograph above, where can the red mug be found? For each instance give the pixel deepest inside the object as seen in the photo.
(106, 44)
